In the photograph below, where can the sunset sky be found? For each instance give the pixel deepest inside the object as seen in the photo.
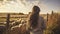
(25, 6)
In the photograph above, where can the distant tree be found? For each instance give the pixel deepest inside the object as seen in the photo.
(21, 13)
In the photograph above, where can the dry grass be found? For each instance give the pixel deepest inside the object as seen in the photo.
(53, 25)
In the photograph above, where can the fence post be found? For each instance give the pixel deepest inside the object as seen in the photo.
(47, 16)
(7, 24)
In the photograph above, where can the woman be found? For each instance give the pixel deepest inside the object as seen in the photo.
(36, 23)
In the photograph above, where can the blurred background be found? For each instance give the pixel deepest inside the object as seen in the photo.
(14, 15)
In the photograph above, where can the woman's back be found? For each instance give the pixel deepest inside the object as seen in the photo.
(40, 27)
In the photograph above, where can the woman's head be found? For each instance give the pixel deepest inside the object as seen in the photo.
(35, 9)
(33, 20)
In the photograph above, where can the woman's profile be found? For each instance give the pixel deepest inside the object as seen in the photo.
(36, 23)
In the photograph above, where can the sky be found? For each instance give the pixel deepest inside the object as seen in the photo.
(25, 6)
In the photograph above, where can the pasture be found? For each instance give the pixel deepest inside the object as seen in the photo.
(17, 24)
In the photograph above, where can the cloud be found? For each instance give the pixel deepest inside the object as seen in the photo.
(24, 6)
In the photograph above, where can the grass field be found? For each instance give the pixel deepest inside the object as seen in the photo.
(53, 24)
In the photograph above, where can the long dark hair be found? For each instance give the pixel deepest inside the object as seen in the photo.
(34, 16)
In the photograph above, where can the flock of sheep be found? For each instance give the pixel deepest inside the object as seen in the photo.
(18, 27)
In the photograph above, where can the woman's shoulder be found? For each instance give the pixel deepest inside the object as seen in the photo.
(40, 17)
